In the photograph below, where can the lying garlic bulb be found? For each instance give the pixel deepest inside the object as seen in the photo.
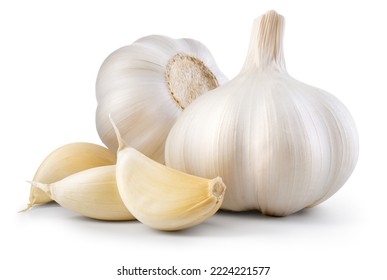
(279, 145)
(145, 87)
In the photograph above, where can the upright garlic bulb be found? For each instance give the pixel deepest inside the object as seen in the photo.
(145, 86)
(279, 145)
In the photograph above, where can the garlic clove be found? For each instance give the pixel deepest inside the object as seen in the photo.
(145, 86)
(67, 160)
(161, 197)
(92, 193)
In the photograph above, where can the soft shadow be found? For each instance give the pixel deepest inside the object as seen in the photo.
(222, 224)
(253, 223)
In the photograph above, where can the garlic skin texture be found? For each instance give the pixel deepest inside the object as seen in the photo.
(146, 85)
(66, 160)
(278, 144)
(92, 193)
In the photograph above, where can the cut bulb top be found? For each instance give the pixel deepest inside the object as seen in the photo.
(188, 78)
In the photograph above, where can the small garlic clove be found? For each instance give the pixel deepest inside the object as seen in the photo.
(67, 160)
(92, 193)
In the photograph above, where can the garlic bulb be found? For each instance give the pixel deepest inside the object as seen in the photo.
(278, 144)
(145, 86)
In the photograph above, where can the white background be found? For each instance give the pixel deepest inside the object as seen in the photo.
(50, 53)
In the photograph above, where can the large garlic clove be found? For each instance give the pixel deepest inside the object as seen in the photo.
(67, 160)
(161, 197)
(278, 144)
(145, 87)
(92, 193)
(164, 198)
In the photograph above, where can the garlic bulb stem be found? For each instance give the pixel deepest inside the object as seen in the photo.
(266, 47)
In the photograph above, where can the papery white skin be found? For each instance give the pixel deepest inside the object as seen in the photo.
(279, 145)
(132, 87)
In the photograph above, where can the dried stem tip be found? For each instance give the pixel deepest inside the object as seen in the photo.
(266, 46)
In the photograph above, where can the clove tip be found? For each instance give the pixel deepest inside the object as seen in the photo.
(218, 188)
